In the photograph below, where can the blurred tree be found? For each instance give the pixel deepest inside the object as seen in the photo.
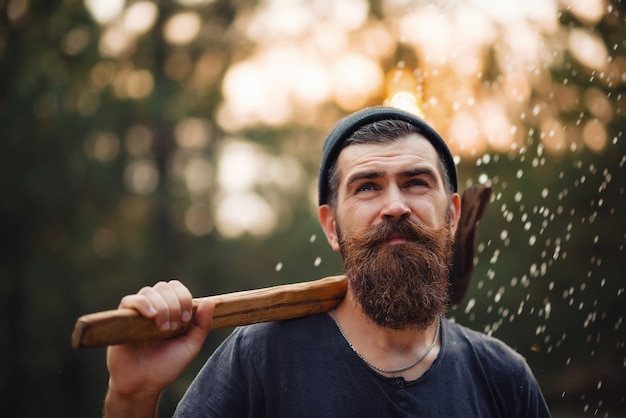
(113, 138)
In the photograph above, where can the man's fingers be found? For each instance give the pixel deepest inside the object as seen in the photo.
(169, 303)
(169, 294)
(157, 297)
(139, 303)
(184, 299)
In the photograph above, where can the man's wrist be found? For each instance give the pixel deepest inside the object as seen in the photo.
(137, 405)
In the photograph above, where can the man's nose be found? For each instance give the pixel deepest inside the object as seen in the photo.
(395, 205)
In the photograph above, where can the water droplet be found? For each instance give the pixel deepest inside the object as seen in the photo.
(318, 261)
(470, 304)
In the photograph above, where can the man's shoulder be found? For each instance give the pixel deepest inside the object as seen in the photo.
(494, 357)
(502, 372)
(310, 326)
(290, 341)
(483, 345)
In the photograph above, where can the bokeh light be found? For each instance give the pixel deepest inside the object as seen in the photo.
(148, 139)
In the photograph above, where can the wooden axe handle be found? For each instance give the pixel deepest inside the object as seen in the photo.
(122, 326)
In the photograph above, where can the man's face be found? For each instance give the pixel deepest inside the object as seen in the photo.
(394, 224)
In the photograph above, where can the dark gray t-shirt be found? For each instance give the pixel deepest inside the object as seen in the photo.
(304, 368)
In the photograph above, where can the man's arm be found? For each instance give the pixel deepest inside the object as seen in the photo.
(138, 373)
(140, 406)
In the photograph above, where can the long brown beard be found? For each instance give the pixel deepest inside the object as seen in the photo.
(404, 285)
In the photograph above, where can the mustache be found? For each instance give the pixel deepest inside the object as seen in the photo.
(406, 228)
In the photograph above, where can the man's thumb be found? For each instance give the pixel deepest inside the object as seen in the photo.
(202, 320)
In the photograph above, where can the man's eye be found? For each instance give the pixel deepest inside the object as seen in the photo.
(366, 187)
(416, 182)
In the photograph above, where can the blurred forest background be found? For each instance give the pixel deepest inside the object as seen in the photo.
(149, 140)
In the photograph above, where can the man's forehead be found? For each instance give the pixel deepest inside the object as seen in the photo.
(412, 145)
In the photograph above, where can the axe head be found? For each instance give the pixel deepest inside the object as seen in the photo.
(474, 202)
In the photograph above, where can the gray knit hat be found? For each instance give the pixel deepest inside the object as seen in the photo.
(351, 123)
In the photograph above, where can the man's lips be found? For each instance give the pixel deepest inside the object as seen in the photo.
(396, 238)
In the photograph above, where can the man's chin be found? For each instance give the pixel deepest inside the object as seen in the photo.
(395, 325)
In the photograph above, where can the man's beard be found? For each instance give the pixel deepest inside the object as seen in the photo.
(404, 285)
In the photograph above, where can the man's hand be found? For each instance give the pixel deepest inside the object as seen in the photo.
(140, 372)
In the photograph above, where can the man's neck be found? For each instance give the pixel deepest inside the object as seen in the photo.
(384, 347)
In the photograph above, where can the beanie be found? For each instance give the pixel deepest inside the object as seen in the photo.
(351, 123)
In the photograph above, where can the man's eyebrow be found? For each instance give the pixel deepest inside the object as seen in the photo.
(371, 175)
(419, 172)
(364, 175)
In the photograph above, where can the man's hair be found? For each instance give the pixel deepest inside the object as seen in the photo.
(385, 131)
(379, 124)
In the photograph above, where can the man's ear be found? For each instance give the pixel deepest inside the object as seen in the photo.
(327, 221)
(455, 212)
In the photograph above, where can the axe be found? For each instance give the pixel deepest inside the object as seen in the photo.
(122, 326)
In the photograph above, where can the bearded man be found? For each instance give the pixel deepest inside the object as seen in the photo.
(388, 203)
